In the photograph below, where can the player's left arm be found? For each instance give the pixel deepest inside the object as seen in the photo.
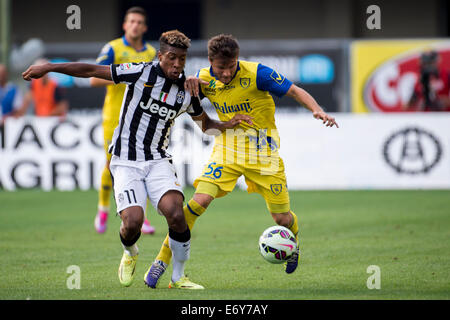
(305, 99)
(270, 80)
(214, 127)
(192, 85)
(210, 126)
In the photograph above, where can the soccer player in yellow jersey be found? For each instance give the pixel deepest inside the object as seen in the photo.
(241, 87)
(129, 48)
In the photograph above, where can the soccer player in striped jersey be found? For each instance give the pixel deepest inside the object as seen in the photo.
(140, 164)
(235, 87)
(129, 48)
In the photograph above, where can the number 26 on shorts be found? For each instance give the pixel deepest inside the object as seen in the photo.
(216, 173)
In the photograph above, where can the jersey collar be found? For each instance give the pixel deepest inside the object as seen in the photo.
(125, 42)
(237, 69)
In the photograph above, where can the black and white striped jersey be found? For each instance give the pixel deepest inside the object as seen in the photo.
(150, 104)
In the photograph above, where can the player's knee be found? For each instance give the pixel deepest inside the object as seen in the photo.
(203, 199)
(176, 221)
(171, 206)
(132, 220)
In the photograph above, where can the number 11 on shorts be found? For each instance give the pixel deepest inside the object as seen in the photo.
(127, 192)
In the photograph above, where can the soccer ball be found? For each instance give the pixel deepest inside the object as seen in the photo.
(277, 244)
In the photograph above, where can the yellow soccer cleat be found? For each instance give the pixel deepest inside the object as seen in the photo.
(127, 268)
(185, 283)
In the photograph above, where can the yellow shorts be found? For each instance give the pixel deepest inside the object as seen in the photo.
(272, 187)
(108, 131)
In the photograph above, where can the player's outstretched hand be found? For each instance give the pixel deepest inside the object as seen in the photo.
(327, 119)
(35, 72)
(192, 85)
(237, 119)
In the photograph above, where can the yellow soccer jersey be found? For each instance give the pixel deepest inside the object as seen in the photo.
(247, 93)
(116, 52)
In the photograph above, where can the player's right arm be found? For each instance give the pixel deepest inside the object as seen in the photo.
(75, 69)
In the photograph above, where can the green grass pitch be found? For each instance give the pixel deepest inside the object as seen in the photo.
(405, 233)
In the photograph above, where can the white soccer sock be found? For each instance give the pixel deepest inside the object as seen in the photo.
(132, 250)
(103, 208)
(180, 253)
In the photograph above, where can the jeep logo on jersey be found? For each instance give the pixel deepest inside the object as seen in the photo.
(391, 84)
(412, 151)
(156, 109)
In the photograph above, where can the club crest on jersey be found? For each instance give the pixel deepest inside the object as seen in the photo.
(276, 188)
(245, 82)
(120, 197)
(180, 97)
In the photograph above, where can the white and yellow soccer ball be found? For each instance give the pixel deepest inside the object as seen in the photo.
(277, 244)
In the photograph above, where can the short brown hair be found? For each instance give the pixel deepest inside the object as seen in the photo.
(138, 10)
(173, 38)
(223, 46)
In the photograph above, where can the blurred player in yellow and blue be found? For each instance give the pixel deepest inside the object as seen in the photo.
(235, 86)
(129, 48)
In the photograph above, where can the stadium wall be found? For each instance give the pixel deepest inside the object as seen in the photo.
(368, 151)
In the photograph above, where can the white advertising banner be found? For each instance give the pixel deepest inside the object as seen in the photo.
(368, 151)
(379, 151)
(51, 154)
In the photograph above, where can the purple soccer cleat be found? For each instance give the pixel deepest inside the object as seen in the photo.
(292, 262)
(155, 272)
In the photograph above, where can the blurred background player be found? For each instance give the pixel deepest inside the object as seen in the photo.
(432, 89)
(10, 97)
(129, 48)
(241, 87)
(48, 97)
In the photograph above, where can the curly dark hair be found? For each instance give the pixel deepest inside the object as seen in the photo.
(173, 38)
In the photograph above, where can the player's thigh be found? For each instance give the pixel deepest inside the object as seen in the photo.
(223, 176)
(129, 187)
(273, 188)
(160, 179)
